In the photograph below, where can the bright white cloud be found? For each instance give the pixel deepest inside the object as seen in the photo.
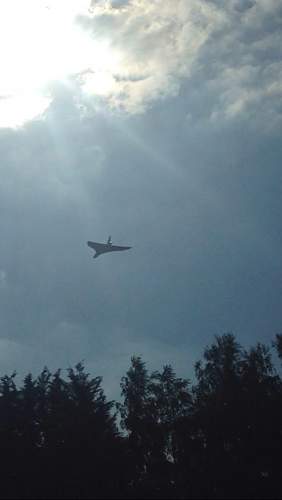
(232, 47)
(42, 44)
(157, 41)
(15, 110)
(133, 53)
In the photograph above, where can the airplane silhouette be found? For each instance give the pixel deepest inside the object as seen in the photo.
(105, 247)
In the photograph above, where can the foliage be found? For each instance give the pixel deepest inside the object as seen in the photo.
(220, 438)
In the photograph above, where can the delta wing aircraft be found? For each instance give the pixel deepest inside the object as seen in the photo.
(105, 247)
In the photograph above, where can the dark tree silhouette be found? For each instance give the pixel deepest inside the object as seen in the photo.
(278, 344)
(136, 419)
(221, 438)
(236, 395)
(153, 404)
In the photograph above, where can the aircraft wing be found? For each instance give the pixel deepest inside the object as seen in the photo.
(117, 248)
(99, 247)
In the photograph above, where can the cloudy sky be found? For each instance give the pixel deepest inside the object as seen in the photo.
(158, 122)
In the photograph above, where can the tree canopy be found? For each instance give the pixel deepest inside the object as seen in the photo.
(218, 437)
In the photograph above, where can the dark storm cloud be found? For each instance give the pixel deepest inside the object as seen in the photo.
(203, 224)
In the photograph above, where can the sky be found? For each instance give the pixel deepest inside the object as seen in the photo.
(157, 122)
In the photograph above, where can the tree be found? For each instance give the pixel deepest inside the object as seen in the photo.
(9, 433)
(169, 402)
(278, 344)
(238, 414)
(136, 417)
(153, 404)
(261, 421)
(93, 434)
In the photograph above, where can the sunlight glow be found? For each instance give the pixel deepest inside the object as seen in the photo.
(43, 44)
(16, 110)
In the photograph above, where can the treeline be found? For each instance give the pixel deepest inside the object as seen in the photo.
(218, 438)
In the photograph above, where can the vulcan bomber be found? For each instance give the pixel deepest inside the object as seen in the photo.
(101, 248)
